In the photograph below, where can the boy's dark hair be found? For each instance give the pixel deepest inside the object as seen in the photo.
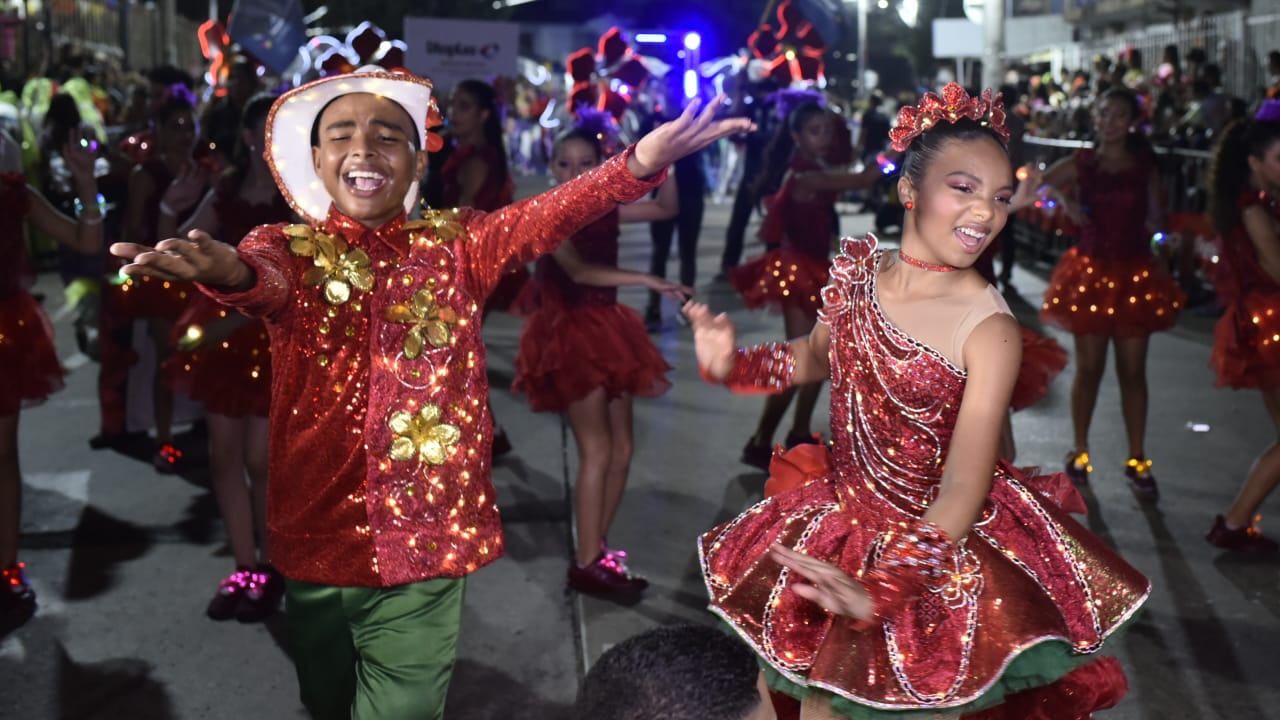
(415, 136)
(679, 672)
(585, 135)
(925, 147)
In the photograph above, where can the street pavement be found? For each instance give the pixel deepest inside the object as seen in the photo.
(125, 560)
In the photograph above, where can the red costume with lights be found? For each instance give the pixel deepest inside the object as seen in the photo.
(794, 273)
(579, 338)
(1025, 600)
(380, 436)
(29, 368)
(1246, 340)
(231, 376)
(1108, 284)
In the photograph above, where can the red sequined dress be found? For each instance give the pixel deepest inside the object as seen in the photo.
(230, 375)
(494, 194)
(1246, 340)
(29, 367)
(145, 296)
(579, 338)
(793, 274)
(1108, 283)
(1032, 596)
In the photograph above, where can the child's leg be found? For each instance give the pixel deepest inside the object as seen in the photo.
(10, 490)
(255, 461)
(620, 451)
(775, 407)
(1131, 371)
(226, 465)
(589, 421)
(799, 323)
(1091, 362)
(1263, 476)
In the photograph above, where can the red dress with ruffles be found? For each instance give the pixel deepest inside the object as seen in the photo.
(579, 338)
(1246, 340)
(494, 194)
(29, 368)
(231, 376)
(1108, 284)
(1030, 586)
(793, 274)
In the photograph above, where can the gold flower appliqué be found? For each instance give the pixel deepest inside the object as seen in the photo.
(422, 435)
(443, 222)
(431, 323)
(338, 268)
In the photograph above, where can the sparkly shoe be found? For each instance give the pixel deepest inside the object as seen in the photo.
(617, 560)
(1077, 467)
(17, 599)
(1138, 470)
(1249, 539)
(230, 592)
(602, 578)
(262, 595)
(167, 460)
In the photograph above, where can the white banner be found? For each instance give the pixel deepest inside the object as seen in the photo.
(449, 51)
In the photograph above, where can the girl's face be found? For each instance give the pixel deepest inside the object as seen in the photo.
(814, 136)
(177, 134)
(962, 203)
(1112, 119)
(1266, 169)
(572, 158)
(465, 115)
(255, 139)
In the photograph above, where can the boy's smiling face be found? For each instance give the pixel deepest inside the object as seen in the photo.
(367, 156)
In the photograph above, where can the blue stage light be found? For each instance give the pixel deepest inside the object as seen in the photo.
(692, 41)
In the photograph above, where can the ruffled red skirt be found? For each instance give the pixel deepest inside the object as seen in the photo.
(1115, 298)
(565, 354)
(29, 368)
(231, 376)
(1043, 359)
(1246, 342)
(781, 278)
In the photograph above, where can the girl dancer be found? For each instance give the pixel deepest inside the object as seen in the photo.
(1245, 214)
(29, 368)
(583, 354)
(1107, 289)
(917, 572)
(798, 223)
(224, 361)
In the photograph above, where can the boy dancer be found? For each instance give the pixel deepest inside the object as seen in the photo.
(380, 500)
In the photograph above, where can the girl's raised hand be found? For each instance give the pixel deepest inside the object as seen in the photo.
(695, 129)
(830, 587)
(714, 340)
(80, 152)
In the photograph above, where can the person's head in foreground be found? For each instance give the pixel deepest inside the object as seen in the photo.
(680, 672)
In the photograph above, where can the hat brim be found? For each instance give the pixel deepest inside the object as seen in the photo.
(289, 123)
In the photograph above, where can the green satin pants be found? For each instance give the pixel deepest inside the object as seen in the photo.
(366, 653)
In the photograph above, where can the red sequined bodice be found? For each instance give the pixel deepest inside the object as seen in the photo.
(800, 225)
(597, 244)
(238, 215)
(1116, 205)
(1238, 272)
(498, 189)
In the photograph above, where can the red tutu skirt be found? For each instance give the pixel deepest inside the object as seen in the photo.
(1042, 361)
(1113, 298)
(781, 278)
(564, 354)
(147, 297)
(231, 376)
(29, 368)
(1246, 342)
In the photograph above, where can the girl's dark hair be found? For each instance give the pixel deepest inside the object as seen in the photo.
(173, 104)
(255, 111)
(487, 99)
(1135, 142)
(1229, 169)
(777, 154)
(923, 150)
(59, 120)
(587, 136)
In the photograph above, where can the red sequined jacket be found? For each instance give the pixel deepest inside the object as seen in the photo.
(380, 431)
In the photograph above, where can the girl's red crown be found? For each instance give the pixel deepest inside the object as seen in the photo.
(955, 103)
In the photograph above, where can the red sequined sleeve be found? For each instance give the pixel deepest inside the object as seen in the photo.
(535, 226)
(266, 251)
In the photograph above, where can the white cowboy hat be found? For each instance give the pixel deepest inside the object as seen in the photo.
(288, 151)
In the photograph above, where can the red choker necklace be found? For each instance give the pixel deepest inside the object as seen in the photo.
(924, 265)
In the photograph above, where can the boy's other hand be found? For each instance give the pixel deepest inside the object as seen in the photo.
(689, 133)
(197, 258)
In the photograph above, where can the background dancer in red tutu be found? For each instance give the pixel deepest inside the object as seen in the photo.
(1108, 289)
(224, 361)
(1244, 203)
(798, 225)
(916, 571)
(585, 355)
(29, 367)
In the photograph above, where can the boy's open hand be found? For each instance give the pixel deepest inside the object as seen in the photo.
(197, 257)
(714, 340)
(690, 132)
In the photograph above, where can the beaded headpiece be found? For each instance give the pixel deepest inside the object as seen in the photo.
(955, 104)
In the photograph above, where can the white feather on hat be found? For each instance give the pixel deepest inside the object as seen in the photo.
(288, 151)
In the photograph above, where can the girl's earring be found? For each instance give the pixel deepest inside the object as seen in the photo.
(909, 205)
